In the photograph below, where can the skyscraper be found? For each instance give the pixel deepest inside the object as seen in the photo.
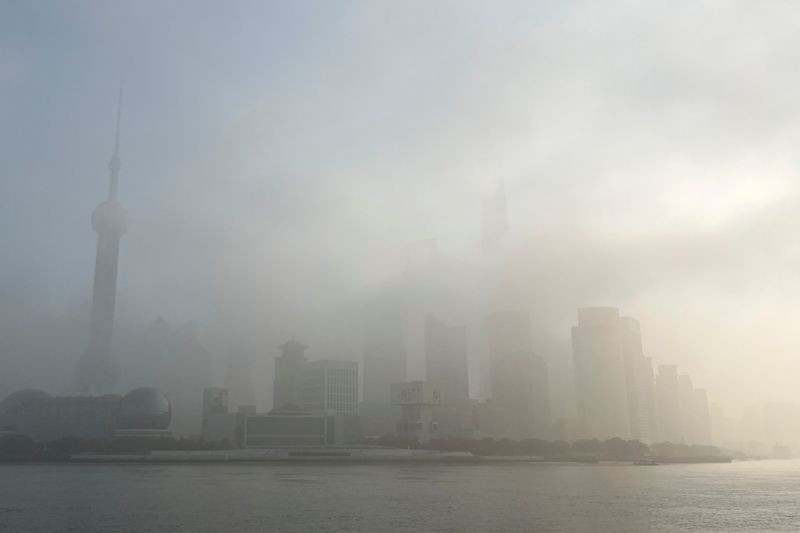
(520, 404)
(384, 364)
(446, 360)
(640, 382)
(330, 385)
(447, 371)
(600, 379)
(686, 402)
(287, 391)
(695, 416)
(97, 372)
(702, 417)
(668, 405)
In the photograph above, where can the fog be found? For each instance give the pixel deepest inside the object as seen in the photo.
(280, 160)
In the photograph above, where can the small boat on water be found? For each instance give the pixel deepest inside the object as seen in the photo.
(646, 462)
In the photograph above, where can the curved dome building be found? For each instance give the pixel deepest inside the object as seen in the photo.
(16, 401)
(144, 408)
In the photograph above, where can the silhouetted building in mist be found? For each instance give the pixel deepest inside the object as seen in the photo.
(640, 383)
(670, 427)
(178, 364)
(221, 425)
(327, 386)
(702, 417)
(97, 371)
(447, 371)
(142, 412)
(686, 403)
(293, 429)
(695, 416)
(417, 400)
(600, 379)
(520, 404)
(287, 390)
(330, 385)
(239, 381)
(384, 364)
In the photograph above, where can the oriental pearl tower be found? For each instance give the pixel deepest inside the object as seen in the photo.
(96, 371)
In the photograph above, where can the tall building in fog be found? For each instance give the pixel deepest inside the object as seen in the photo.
(507, 332)
(639, 382)
(384, 355)
(97, 371)
(239, 381)
(287, 390)
(668, 404)
(384, 364)
(702, 417)
(446, 360)
(173, 359)
(686, 403)
(447, 372)
(520, 400)
(600, 378)
(330, 385)
(695, 416)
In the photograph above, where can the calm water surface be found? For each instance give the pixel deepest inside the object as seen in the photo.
(747, 496)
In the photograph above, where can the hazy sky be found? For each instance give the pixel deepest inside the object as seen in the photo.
(278, 156)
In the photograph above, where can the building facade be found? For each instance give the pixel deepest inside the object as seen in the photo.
(600, 378)
(640, 383)
(287, 391)
(670, 426)
(417, 400)
(330, 385)
(447, 371)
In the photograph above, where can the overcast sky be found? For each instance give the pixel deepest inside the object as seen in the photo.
(278, 156)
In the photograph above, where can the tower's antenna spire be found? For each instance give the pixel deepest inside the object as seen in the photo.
(115, 163)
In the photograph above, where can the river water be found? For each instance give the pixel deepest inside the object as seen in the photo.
(379, 498)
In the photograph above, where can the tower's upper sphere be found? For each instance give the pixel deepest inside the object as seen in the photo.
(110, 217)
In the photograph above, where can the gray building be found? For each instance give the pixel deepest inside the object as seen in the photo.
(293, 429)
(330, 385)
(600, 379)
(287, 392)
(670, 427)
(695, 416)
(639, 383)
(520, 385)
(447, 371)
(384, 364)
(141, 412)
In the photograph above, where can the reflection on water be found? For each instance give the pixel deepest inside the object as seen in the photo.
(751, 496)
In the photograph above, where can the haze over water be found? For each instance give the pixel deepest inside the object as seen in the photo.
(743, 496)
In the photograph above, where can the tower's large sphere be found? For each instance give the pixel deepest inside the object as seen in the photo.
(110, 217)
(144, 408)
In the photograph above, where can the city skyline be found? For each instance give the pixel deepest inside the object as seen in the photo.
(221, 190)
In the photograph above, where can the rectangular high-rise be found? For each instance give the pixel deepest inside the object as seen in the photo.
(600, 379)
(520, 404)
(331, 386)
(287, 391)
(447, 371)
(384, 364)
(670, 428)
(639, 381)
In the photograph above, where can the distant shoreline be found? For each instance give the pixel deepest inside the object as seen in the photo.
(344, 456)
